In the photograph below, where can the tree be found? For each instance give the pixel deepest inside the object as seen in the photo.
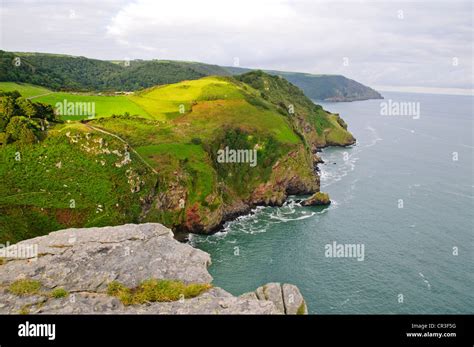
(9, 107)
(14, 94)
(20, 118)
(26, 107)
(45, 111)
(20, 129)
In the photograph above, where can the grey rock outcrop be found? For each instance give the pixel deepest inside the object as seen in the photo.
(84, 261)
(286, 297)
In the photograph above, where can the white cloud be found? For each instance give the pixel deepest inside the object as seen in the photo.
(299, 35)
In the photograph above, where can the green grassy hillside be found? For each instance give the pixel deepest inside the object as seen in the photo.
(316, 126)
(72, 178)
(161, 164)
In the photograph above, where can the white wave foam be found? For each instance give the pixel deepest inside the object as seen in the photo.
(333, 174)
(428, 284)
(285, 220)
(375, 136)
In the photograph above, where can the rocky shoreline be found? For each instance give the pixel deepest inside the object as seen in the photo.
(241, 208)
(72, 270)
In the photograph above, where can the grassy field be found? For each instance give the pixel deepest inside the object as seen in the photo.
(105, 106)
(25, 89)
(168, 102)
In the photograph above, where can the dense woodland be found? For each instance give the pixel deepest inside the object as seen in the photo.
(59, 72)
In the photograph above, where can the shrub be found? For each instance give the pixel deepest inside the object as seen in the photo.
(196, 141)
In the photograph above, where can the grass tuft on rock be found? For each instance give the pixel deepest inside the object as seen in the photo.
(154, 290)
(301, 309)
(24, 310)
(58, 293)
(24, 287)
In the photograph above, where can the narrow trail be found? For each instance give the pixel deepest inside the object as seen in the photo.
(125, 142)
(38, 96)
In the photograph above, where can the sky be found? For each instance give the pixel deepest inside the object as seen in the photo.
(397, 45)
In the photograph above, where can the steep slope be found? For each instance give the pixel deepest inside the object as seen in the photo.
(75, 177)
(318, 127)
(322, 87)
(168, 168)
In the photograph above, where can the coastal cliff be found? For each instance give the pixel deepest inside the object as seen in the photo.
(285, 166)
(165, 167)
(127, 269)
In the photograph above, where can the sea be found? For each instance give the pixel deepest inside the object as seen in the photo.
(398, 236)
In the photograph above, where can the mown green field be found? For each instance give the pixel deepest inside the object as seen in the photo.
(105, 106)
(25, 89)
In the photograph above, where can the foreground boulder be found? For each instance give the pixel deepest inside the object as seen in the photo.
(286, 297)
(71, 271)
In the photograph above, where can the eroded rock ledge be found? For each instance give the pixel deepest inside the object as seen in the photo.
(84, 261)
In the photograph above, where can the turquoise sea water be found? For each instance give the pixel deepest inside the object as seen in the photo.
(409, 265)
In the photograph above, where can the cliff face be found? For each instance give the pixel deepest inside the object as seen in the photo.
(332, 87)
(71, 271)
(322, 87)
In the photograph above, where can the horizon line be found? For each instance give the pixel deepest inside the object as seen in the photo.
(426, 90)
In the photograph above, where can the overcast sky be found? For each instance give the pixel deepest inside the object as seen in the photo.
(379, 43)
